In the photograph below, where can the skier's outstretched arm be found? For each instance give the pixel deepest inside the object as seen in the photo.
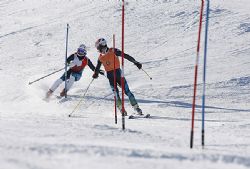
(97, 69)
(91, 66)
(129, 58)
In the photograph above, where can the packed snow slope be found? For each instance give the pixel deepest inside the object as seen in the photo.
(162, 35)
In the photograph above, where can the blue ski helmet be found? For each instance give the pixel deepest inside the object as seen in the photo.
(81, 51)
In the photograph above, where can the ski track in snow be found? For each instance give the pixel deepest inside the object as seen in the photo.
(162, 35)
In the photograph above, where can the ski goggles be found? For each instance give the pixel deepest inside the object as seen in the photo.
(81, 52)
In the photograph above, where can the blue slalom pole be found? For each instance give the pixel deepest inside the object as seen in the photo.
(204, 76)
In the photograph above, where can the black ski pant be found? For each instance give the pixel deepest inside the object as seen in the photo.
(110, 76)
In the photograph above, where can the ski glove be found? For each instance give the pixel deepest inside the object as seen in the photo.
(138, 64)
(95, 75)
(101, 72)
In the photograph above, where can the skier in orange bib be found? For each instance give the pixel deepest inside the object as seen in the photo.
(106, 58)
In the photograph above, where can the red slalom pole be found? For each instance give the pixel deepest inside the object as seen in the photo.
(196, 74)
(114, 79)
(122, 75)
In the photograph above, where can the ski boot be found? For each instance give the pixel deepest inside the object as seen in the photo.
(119, 106)
(63, 93)
(48, 94)
(137, 109)
(125, 112)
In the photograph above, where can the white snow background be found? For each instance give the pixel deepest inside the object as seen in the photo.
(162, 35)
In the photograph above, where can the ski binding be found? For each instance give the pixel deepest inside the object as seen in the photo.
(135, 116)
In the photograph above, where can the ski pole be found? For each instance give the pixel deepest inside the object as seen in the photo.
(81, 98)
(146, 74)
(93, 102)
(45, 76)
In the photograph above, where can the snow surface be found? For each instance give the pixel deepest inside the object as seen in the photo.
(162, 34)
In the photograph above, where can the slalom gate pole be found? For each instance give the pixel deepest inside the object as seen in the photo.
(122, 76)
(204, 76)
(66, 54)
(45, 76)
(81, 98)
(146, 73)
(114, 80)
(196, 74)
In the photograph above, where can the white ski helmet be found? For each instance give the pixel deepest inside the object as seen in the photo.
(81, 51)
(101, 44)
(82, 46)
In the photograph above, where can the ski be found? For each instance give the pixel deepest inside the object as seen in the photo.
(63, 99)
(59, 99)
(134, 116)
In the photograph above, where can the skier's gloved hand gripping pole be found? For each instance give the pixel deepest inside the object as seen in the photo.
(138, 64)
(96, 74)
(45, 76)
